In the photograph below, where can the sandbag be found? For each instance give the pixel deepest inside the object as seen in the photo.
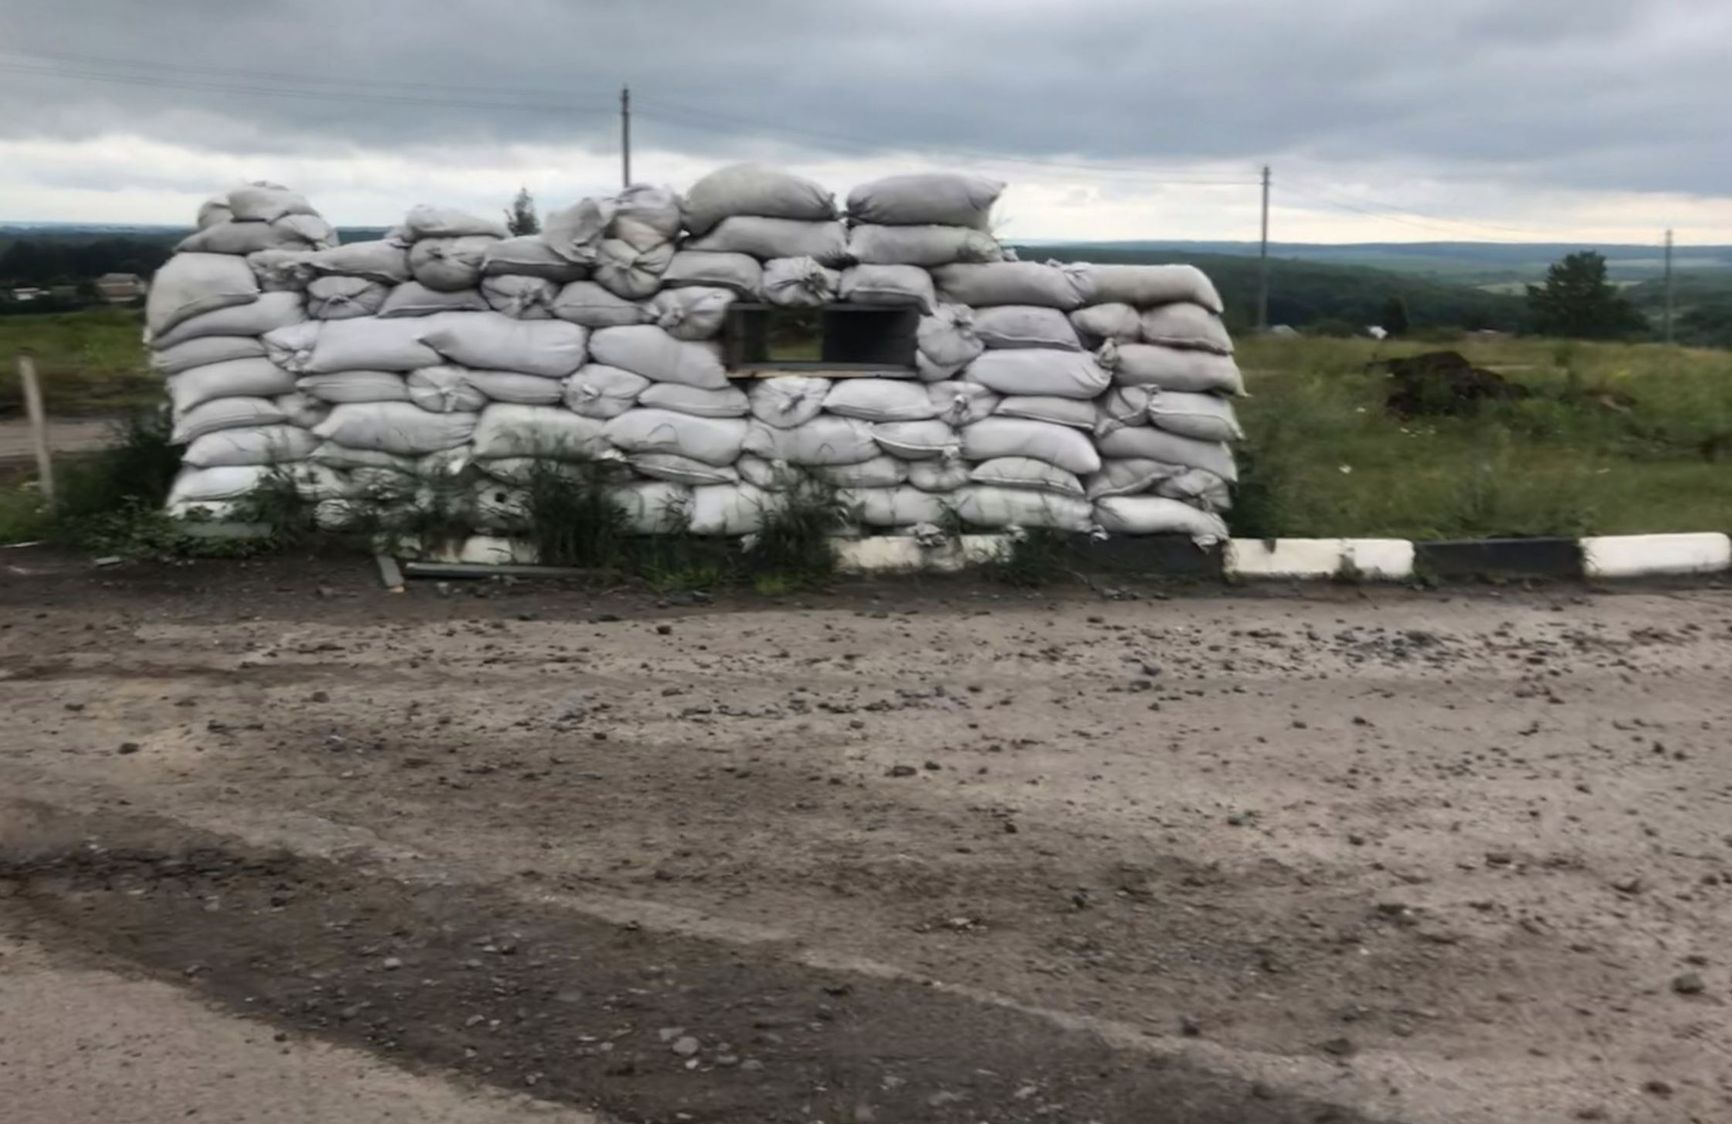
(1149, 443)
(400, 428)
(682, 470)
(942, 475)
(892, 507)
(512, 386)
(190, 285)
(1121, 406)
(1022, 325)
(378, 260)
(1154, 515)
(653, 507)
(296, 232)
(948, 198)
(1142, 286)
(772, 476)
(425, 221)
(764, 238)
(879, 472)
(1171, 368)
(446, 390)
(1026, 472)
(799, 283)
(588, 304)
(947, 337)
(233, 378)
(302, 409)
(655, 209)
(529, 255)
(731, 509)
(448, 264)
(214, 485)
(753, 189)
(917, 440)
(1097, 323)
(879, 400)
(926, 370)
(281, 271)
(1128, 476)
(739, 273)
(254, 318)
(626, 271)
(823, 440)
(365, 344)
(1040, 371)
(1198, 487)
(1203, 416)
(889, 285)
(1184, 324)
(374, 470)
(961, 403)
(1047, 284)
(213, 210)
(729, 402)
(553, 348)
(344, 298)
(651, 352)
(223, 413)
(693, 313)
(266, 202)
(412, 298)
(266, 444)
(203, 351)
(983, 505)
(921, 245)
(600, 391)
(715, 441)
(506, 429)
(1013, 437)
(575, 233)
(355, 386)
(787, 400)
(522, 298)
(501, 507)
(1078, 413)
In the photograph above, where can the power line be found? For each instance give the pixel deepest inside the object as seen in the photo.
(1393, 213)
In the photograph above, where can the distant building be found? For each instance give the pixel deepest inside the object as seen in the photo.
(29, 293)
(118, 288)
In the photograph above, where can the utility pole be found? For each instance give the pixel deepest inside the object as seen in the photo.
(1263, 262)
(1668, 286)
(38, 423)
(625, 136)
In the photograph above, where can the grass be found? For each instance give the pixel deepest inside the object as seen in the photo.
(89, 362)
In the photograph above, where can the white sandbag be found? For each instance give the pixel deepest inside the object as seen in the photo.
(257, 378)
(879, 472)
(942, 475)
(318, 482)
(281, 271)
(302, 409)
(412, 298)
(588, 304)
(447, 390)
(1184, 324)
(647, 205)
(1154, 515)
(731, 509)
(982, 505)
(1142, 286)
(947, 337)
(190, 285)
(255, 318)
(929, 372)
(1097, 323)
(400, 428)
(693, 313)
(266, 202)
(371, 469)
(1014, 437)
(224, 413)
(714, 441)
(1149, 443)
(1121, 406)
(522, 298)
(296, 232)
(1198, 487)
(355, 386)
(1040, 371)
(772, 476)
(917, 440)
(948, 198)
(893, 507)
(766, 238)
(600, 391)
(921, 245)
(214, 209)
(203, 351)
(265, 444)
(823, 440)
(506, 429)
(1203, 416)
(575, 233)
(682, 470)
(627, 271)
(879, 400)
(554, 348)
(1046, 284)
(1171, 368)
(427, 221)
(729, 402)
(513, 386)
(753, 189)
(344, 298)
(653, 507)
(787, 400)
(892, 286)
(651, 352)
(377, 260)
(799, 283)
(739, 273)
(214, 485)
(448, 264)
(1024, 325)
(961, 403)
(1128, 476)
(501, 507)
(529, 255)
(1026, 472)
(365, 344)
(1076, 412)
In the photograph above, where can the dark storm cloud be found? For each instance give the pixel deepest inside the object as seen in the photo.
(1625, 94)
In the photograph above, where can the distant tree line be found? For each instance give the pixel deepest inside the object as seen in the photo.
(49, 261)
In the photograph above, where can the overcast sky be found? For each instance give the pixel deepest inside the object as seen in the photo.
(1385, 120)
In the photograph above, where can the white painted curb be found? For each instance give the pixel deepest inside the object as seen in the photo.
(892, 554)
(1376, 559)
(1633, 556)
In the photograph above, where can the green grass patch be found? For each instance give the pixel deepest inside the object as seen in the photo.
(89, 362)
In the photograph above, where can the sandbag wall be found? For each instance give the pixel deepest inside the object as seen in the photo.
(450, 357)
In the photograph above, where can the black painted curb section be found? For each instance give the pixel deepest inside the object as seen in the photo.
(1501, 558)
(1166, 555)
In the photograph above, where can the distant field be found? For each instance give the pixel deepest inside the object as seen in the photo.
(90, 362)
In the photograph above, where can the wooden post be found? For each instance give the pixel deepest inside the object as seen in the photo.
(38, 424)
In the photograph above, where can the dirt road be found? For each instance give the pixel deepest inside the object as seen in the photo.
(901, 853)
(65, 435)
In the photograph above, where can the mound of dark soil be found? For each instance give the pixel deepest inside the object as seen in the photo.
(1443, 383)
